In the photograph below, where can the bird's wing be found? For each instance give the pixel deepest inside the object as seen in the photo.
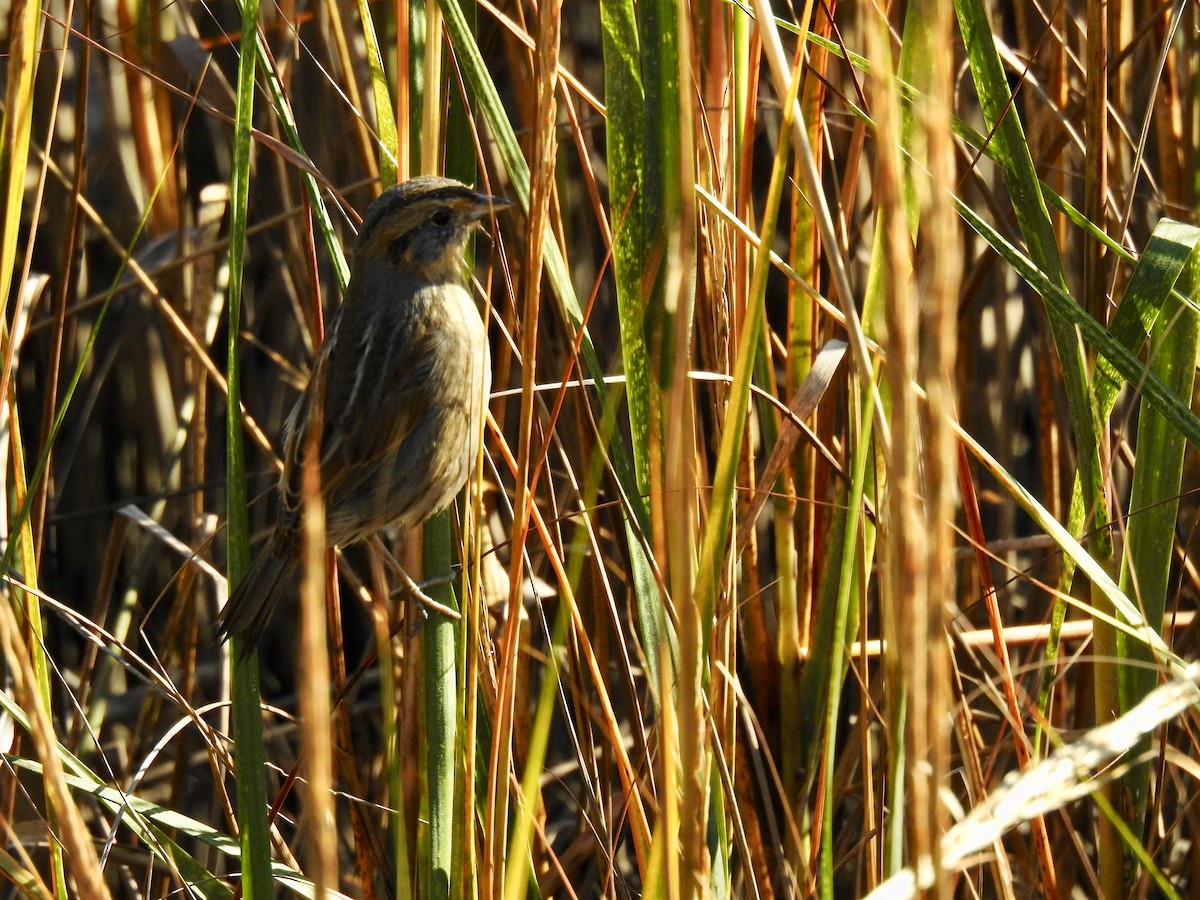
(382, 374)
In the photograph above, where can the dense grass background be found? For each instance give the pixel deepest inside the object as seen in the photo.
(835, 526)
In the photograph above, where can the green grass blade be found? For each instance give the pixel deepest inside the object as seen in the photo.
(441, 712)
(287, 122)
(152, 823)
(1148, 292)
(1129, 619)
(717, 530)
(1011, 153)
(625, 122)
(385, 121)
(247, 719)
(637, 523)
(844, 584)
(1157, 476)
(20, 71)
(1123, 360)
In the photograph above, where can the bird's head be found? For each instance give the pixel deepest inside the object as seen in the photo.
(422, 225)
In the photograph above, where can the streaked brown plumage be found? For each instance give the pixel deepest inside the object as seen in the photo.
(401, 382)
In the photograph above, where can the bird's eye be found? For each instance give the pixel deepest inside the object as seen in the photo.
(441, 218)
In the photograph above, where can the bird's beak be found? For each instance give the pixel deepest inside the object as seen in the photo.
(483, 205)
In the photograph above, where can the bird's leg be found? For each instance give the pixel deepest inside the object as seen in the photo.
(408, 587)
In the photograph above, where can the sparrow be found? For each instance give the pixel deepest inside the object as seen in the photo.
(397, 393)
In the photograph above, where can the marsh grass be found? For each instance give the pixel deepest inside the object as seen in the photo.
(835, 522)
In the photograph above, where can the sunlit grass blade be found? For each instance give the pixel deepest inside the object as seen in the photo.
(1131, 621)
(1154, 499)
(152, 823)
(385, 119)
(15, 128)
(1071, 772)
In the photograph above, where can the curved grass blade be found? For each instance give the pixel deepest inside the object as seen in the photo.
(1061, 304)
(1148, 292)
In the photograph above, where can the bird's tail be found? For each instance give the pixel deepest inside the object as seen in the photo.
(256, 596)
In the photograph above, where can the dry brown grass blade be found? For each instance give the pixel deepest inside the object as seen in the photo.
(803, 404)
